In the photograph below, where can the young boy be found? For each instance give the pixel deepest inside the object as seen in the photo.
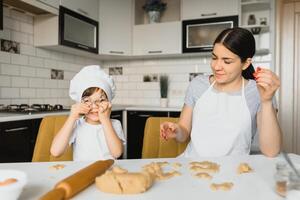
(89, 129)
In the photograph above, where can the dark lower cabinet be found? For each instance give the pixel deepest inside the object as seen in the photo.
(117, 115)
(135, 131)
(17, 140)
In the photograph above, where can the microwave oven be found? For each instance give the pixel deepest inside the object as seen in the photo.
(78, 31)
(198, 35)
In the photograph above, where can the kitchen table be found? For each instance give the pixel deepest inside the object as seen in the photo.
(256, 185)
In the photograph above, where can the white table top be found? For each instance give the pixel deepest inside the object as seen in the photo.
(258, 185)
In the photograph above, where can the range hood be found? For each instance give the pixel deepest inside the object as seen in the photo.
(36, 7)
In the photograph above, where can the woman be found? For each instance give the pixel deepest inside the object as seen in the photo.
(223, 111)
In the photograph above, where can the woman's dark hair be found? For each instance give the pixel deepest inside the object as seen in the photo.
(242, 43)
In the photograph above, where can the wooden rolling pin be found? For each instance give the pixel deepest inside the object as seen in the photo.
(75, 183)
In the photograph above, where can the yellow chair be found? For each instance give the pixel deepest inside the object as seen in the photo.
(156, 147)
(48, 129)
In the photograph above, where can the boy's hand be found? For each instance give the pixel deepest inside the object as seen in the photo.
(79, 109)
(104, 110)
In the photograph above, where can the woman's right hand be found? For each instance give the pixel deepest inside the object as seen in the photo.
(168, 130)
(79, 109)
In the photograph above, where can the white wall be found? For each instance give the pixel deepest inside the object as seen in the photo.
(25, 77)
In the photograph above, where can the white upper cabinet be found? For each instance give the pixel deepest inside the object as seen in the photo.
(156, 39)
(195, 9)
(88, 8)
(115, 27)
(51, 3)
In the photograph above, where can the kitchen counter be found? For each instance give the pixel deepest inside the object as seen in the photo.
(5, 117)
(259, 184)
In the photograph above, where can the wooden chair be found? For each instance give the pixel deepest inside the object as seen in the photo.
(48, 129)
(156, 147)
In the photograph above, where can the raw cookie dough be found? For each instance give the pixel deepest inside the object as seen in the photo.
(203, 175)
(244, 168)
(204, 166)
(57, 167)
(124, 182)
(176, 165)
(222, 186)
(155, 168)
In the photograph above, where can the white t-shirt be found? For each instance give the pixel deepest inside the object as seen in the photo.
(89, 141)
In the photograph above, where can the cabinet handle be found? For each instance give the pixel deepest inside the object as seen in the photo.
(154, 51)
(82, 46)
(141, 115)
(82, 11)
(208, 14)
(15, 129)
(117, 52)
(115, 116)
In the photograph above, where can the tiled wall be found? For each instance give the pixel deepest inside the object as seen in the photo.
(132, 90)
(26, 77)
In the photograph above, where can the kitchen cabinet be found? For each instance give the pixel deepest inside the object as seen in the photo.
(195, 9)
(88, 8)
(258, 17)
(136, 121)
(36, 7)
(117, 115)
(17, 140)
(115, 27)
(157, 39)
(51, 3)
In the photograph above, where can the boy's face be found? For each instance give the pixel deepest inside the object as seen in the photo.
(94, 101)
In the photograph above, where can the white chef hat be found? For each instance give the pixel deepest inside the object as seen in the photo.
(91, 76)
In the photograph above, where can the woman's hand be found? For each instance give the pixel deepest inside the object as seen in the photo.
(267, 83)
(168, 130)
(79, 109)
(104, 110)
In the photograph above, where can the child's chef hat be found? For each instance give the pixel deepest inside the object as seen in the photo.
(91, 76)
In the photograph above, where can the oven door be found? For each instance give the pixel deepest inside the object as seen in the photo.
(199, 35)
(78, 31)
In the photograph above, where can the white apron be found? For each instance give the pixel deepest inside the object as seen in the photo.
(221, 125)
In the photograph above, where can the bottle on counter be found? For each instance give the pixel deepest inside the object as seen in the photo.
(293, 187)
(281, 178)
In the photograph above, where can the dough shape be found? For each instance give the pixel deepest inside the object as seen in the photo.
(222, 186)
(203, 175)
(204, 166)
(244, 168)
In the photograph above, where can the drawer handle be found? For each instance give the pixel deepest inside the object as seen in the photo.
(82, 11)
(208, 14)
(15, 129)
(154, 51)
(116, 52)
(82, 46)
(144, 115)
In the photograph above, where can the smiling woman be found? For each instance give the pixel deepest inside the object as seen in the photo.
(225, 110)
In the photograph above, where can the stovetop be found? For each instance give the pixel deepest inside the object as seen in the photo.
(30, 109)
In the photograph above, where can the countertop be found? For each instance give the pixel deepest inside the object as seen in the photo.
(259, 184)
(5, 117)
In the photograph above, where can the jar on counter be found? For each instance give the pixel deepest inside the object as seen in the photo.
(293, 187)
(281, 178)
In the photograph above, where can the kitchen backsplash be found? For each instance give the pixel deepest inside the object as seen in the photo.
(26, 77)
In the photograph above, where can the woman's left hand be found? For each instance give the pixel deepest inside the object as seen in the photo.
(104, 110)
(267, 83)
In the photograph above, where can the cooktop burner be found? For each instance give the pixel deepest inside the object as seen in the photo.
(34, 108)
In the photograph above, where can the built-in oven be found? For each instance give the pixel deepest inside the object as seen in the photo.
(78, 31)
(198, 35)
